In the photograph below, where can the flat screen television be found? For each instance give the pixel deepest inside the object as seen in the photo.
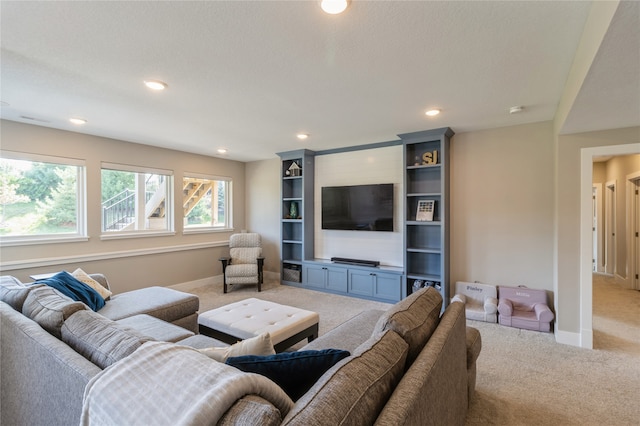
(358, 207)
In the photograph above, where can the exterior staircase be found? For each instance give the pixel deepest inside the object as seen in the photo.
(119, 211)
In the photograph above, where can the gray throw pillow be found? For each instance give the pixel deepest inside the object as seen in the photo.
(49, 308)
(414, 319)
(13, 292)
(99, 339)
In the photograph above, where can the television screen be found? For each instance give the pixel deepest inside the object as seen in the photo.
(358, 207)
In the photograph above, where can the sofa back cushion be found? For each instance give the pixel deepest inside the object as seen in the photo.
(354, 391)
(100, 340)
(414, 319)
(49, 308)
(13, 292)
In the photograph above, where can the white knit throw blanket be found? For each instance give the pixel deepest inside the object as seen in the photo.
(167, 384)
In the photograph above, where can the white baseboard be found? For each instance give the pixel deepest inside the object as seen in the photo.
(219, 279)
(581, 340)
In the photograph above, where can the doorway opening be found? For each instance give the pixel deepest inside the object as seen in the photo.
(585, 338)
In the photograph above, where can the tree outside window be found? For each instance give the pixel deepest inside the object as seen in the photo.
(40, 198)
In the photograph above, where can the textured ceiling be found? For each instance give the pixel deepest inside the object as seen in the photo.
(248, 76)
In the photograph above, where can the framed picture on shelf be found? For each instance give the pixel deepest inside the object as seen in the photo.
(425, 210)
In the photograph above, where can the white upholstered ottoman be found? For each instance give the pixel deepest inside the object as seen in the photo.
(251, 317)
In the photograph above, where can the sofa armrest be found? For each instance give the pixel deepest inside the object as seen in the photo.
(505, 307)
(474, 345)
(102, 279)
(459, 298)
(543, 313)
(490, 305)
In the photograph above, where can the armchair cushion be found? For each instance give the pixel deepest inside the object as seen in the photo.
(243, 273)
(245, 255)
(245, 263)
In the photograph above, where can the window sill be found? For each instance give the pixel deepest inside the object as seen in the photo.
(138, 234)
(205, 230)
(26, 241)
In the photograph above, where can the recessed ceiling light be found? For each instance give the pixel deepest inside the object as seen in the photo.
(222, 151)
(333, 7)
(302, 136)
(433, 112)
(78, 121)
(155, 84)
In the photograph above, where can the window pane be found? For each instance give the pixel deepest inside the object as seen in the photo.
(205, 202)
(38, 198)
(134, 201)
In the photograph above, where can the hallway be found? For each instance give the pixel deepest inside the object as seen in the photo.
(616, 316)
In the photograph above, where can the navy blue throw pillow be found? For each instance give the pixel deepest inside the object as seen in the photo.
(66, 284)
(294, 372)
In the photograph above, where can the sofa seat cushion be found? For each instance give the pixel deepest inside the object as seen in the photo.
(294, 372)
(348, 335)
(200, 341)
(161, 302)
(155, 328)
(100, 340)
(414, 319)
(13, 292)
(49, 308)
(354, 391)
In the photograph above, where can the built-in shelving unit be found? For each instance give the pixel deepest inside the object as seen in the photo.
(296, 230)
(426, 178)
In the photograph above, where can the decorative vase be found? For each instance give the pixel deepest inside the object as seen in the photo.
(293, 210)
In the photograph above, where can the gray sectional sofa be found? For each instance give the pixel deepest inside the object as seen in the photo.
(408, 365)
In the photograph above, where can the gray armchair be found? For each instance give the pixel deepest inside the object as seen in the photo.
(245, 262)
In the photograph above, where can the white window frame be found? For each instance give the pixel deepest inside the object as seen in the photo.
(81, 208)
(228, 213)
(169, 204)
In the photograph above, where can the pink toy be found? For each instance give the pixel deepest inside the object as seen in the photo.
(523, 307)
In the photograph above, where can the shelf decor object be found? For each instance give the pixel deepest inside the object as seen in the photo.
(426, 221)
(425, 210)
(293, 210)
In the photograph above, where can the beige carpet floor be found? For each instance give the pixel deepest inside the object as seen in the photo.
(524, 377)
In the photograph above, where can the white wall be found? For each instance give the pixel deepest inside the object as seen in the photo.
(371, 166)
(263, 214)
(502, 188)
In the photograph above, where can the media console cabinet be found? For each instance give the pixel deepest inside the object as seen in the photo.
(425, 237)
(381, 283)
